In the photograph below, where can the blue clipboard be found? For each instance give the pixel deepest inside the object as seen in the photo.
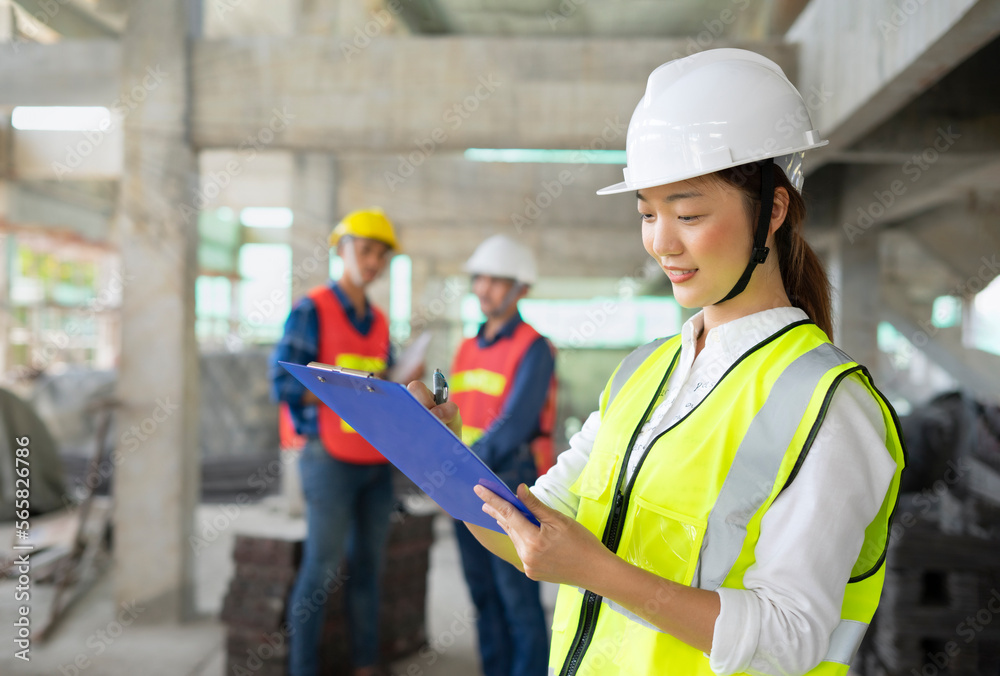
(410, 437)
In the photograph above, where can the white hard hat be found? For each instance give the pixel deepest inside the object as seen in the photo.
(713, 110)
(502, 256)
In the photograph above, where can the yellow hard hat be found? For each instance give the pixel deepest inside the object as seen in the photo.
(367, 223)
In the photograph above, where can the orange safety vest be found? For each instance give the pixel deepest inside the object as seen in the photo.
(289, 439)
(481, 381)
(340, 344)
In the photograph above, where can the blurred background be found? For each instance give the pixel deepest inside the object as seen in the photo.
(170, 171)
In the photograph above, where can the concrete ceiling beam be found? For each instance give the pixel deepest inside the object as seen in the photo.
(874, 58)
(784, 13)
(72, 19)
(68, 73)
(423, 95)
(448, 205)
(912, 135)
(590, 252)
(966, 241)
(379, 94)
(525, 196)
(875, 196)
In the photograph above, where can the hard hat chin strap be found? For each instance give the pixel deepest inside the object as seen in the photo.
(759, 253)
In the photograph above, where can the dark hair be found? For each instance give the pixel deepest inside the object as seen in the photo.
(802, 273)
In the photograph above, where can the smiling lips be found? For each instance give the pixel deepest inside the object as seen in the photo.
(678, 276)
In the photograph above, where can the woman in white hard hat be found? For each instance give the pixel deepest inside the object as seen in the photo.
(726, 510)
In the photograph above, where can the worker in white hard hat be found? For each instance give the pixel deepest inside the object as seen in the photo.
(503, 380)
(726, 510)
(347, 484)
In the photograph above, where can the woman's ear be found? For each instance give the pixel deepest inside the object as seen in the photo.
(779, 210)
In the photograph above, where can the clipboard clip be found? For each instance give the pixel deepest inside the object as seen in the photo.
(341, 369)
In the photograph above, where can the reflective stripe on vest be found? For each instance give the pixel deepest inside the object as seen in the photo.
(630, 364)
(471, 435)
(755, 467)
(358, 362)
(478, 380)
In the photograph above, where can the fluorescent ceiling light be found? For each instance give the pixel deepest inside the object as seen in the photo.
(266, 217)
(61, 118)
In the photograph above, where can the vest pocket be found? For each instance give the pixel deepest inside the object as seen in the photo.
(662, 541)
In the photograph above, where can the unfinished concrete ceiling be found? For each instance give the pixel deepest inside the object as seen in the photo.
(930, 171)
(909, 101)
(710, 19)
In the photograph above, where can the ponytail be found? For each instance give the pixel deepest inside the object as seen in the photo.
(802, 273)
(804, 278)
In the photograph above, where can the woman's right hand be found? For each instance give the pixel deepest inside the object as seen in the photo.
(447, 412)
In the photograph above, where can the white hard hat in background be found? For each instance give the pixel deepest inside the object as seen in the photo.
(713, 110)
(502, 256)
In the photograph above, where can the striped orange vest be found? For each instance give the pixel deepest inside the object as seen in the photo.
(481, 381)
(340, 344)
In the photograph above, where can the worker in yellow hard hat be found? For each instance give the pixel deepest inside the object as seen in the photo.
(367, 224)
(346, 483)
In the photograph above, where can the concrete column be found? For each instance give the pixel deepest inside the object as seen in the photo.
(156, 476)
(857, 304)
(6, 243)
(6, 148)
(6, 21)
(110, 286)
(314, 203)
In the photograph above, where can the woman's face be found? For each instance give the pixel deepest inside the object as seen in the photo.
(699, 233)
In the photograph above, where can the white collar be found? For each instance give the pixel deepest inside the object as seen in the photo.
(735, 338)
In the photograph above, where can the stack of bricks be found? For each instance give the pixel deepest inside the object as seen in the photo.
(255, 605)
(940, 608)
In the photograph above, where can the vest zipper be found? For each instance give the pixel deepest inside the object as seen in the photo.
(591, 601)
(611, 538)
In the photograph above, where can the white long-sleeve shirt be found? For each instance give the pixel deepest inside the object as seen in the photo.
(812, 534)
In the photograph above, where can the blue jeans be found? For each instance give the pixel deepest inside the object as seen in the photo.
(513, 636)
(345, 504)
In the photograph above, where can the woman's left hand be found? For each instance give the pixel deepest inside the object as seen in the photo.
(560, 550)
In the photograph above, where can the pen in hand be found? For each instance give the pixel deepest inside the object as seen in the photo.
(440, 388)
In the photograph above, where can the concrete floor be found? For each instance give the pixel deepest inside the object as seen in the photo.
(93, 638)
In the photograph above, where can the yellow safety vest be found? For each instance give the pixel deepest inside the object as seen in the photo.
(691, 511)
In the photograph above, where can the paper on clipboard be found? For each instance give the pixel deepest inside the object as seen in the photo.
(410, 437)
(411, 358)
